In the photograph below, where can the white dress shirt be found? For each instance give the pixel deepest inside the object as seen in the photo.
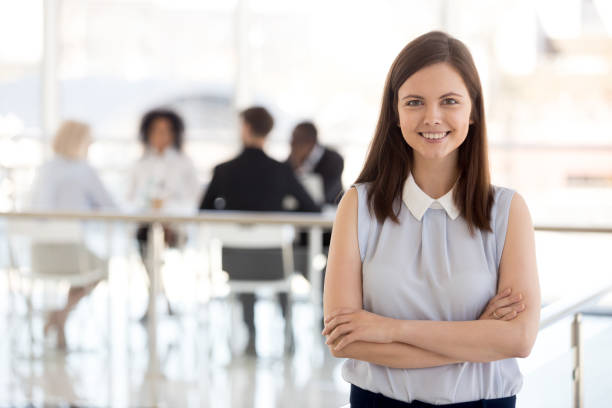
(169, 176)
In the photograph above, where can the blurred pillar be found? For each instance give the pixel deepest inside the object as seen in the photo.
(242, 95)
(49, 80)
(444, 15)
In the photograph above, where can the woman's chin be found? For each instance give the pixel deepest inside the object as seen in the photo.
(435, 156)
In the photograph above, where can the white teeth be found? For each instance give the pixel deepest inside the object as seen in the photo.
(433, 135)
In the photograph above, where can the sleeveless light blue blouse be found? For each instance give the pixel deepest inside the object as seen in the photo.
(429, 267)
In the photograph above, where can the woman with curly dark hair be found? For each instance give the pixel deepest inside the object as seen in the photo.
(164, 179)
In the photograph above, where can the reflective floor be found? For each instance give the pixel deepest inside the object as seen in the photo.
(196, 372)
(200, 348)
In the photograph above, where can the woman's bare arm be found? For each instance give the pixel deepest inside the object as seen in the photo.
(393, 355)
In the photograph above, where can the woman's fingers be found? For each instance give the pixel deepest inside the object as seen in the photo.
(501, 294)
(494, 303)
(508, 313)
(346, 340)
(337, 313)
(334, 322)
(504, 306)
(508, 301)
(502, 302)
(503, 311)
(338, 332)
(510, 316)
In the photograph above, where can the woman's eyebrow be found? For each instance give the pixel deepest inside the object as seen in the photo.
(412, 96)
(446, 95)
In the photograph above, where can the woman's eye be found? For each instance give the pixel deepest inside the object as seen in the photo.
(450, 101)
(414, 102)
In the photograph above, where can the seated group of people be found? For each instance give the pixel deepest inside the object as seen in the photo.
(165, 179)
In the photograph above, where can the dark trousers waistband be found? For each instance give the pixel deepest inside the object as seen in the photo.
(361, 398)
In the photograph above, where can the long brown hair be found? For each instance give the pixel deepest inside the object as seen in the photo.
(390, 158)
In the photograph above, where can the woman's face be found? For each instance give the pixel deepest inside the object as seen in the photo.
(434, 109)
(161, 135)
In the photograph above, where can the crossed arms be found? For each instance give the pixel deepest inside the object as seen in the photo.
(507, 327)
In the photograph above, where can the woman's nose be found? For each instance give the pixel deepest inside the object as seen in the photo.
(432, 116)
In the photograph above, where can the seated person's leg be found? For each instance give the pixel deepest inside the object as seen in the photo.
(248, 315)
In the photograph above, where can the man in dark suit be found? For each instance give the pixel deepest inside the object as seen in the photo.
(308, 156)
(254, 182)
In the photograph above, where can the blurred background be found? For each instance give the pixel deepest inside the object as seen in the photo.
(545, 67)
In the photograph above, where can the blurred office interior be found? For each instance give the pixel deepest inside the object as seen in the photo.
(546, 71)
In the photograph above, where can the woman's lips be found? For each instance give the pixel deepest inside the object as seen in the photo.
(434, 137)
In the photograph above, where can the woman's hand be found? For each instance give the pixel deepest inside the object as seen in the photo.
(345, 326)
(157, 203)
(503, 306)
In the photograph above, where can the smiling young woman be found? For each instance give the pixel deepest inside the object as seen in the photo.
(434, 122)
(431, 288)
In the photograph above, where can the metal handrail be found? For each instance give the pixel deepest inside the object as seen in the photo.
(566, 307)
(294, 218)
(599, 229)
(208, 216)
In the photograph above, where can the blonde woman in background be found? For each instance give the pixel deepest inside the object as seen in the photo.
(68, 182)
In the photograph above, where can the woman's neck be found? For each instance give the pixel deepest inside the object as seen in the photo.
(159, 152)
(435, 177)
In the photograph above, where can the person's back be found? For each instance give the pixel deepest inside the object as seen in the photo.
(255, 182)
(69, 185)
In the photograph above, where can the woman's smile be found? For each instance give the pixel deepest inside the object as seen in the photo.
(434, 137)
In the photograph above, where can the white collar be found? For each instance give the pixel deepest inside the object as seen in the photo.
(418, 201)
(312, 159)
